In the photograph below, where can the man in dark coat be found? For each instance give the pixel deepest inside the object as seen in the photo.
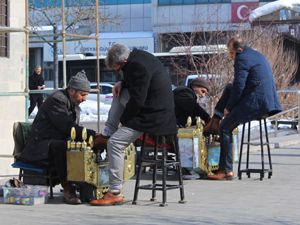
(51, 129)
(186, 104)
(150, 109)
(36, 82)
(251, 96)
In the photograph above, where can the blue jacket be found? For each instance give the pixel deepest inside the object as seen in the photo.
(253, 94)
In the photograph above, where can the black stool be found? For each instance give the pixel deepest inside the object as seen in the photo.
(154, 160)
(261, 171)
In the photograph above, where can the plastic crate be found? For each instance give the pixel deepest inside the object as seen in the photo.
(28, 195)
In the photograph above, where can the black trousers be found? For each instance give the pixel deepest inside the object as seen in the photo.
(35, 99)
(58, 158)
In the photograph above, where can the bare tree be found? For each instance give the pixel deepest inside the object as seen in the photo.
(211, 58)
(79, 16)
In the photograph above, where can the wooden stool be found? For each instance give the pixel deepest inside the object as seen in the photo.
(154, 160)
(247, 170)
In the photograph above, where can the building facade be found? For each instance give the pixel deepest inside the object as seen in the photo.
(13, 72)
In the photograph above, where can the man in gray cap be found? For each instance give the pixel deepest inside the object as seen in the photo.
(52, 127)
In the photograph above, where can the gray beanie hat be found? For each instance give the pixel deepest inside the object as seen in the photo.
(80, 82)
(200, 82)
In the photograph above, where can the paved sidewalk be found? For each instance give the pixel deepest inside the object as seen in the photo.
(246, 201)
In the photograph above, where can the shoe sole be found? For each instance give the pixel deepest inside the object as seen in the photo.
(116, 203)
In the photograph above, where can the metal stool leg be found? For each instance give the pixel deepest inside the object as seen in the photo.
(154, 175)
(262, 152)
(270, 173)
(51, 185)
(164, 172)
(179, 169)
(248, 148)
(241, 152)
(139, 172)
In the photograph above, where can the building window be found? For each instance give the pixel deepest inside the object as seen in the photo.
(4, 23)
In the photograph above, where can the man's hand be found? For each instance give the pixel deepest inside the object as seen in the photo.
(226, 112)
(117, 89)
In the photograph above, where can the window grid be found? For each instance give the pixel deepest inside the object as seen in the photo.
(4, 22)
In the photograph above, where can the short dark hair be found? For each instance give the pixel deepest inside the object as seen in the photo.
(237, 43)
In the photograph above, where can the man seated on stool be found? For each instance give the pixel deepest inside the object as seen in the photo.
(251, 96)
(51, 129)
(150, 109)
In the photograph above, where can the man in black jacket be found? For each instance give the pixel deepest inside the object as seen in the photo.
(186, 102)
(52, 127)
(36, 82)
(150, 109)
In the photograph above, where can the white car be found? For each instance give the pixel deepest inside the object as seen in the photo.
(106, 95)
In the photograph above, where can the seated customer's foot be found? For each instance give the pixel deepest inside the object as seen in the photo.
(221, 175)
(100, 140)
(70, 196)
(108, 199)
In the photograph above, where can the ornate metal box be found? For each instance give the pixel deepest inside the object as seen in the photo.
(192, 147)
(83, 165)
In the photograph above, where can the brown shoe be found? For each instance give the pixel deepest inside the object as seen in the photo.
(100, 140)
(221, 175)
(108, 199)
(70, 197)
(212, 127)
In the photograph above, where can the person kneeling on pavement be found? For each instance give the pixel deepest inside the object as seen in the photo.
(47, 142)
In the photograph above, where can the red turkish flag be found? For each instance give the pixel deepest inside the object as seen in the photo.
(240, 11)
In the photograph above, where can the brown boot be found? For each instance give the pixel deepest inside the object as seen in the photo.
(212, 127)
(108, 199)
(70, 195)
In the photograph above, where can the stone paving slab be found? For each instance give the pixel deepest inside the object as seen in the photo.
(246, 201)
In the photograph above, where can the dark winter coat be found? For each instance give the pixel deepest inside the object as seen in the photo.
(35, 80)
(186, 105)
(54, 121)
(150, 108)
(253, 94)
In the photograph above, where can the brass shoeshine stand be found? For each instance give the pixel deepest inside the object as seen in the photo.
(85, 166)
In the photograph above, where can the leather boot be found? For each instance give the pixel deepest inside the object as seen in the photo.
(70, 195)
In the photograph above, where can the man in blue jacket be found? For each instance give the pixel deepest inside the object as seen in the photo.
(251, 96)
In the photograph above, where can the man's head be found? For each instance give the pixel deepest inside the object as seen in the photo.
(38, 70)
(200, 86)
(79, 87)
(234, 45)
(117, 57)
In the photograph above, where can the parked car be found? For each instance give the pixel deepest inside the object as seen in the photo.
(106, 95)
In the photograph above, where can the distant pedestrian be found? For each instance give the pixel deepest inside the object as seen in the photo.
(36, 82)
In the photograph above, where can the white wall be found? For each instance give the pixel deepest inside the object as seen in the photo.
(12, 79)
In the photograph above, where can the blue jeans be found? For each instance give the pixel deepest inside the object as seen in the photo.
(228, 124)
